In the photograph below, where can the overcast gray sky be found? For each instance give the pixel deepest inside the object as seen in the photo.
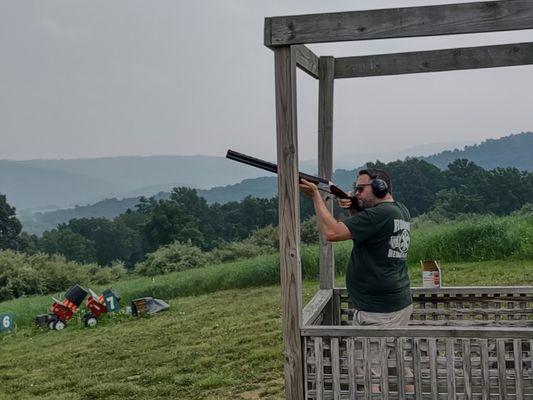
(108, 78)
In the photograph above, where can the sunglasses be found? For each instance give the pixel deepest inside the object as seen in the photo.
(360, 188)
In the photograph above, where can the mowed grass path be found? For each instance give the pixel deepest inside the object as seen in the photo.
(223, 345)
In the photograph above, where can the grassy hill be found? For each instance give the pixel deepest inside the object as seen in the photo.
(222, 345)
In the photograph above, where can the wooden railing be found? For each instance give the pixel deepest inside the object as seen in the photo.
(433, 357)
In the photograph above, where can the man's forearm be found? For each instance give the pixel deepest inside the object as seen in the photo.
(332, 229)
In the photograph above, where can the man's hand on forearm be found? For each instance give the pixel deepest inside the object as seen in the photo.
(332, 229)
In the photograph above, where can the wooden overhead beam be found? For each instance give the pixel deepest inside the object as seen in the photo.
(436, 60)
(306, 60)
(447, 19)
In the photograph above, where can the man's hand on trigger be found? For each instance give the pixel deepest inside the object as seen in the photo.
(308, 188)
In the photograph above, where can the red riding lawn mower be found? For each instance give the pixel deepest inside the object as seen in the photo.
(63, 311)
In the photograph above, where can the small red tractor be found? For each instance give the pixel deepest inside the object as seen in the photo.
(63, 311)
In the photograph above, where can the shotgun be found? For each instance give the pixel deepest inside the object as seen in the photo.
(271, 167)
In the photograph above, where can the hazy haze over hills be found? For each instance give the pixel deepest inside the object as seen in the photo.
(514, 150)
(53, 184)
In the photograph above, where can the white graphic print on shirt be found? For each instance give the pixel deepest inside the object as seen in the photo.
(399, 243)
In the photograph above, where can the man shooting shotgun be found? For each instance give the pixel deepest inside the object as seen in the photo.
(321, 183)
(376, 277)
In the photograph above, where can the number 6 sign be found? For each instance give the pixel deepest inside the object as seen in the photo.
(6, 322)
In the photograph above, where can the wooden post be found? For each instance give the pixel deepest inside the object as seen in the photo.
(289, 220)
(326, 71)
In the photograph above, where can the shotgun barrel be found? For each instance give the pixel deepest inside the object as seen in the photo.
(271, 167)
(268, 166)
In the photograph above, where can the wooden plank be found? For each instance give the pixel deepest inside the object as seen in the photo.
(467, 369)
(446, 19)
(417, 369)
(471, 311)
(400, 368)
(476, 290)
(289, 221)
(337, 312)
(473, 323)
(479, 292)
(325, 160)
(336, 368)
(433, 367)
(352, 384)
(367, 369)
(531, 356)
(434, 61)
(305, 352)
(384, 362)
(306, 60)
(315, 306)
(319, 365)
(408, 331)
(519, 380)
(450, 368)
(485, 373)
(502, 375)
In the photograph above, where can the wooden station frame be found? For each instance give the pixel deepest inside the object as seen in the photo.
(287, 36)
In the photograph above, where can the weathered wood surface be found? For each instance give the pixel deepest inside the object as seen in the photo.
(408, 331)
(400, 368)
(519, 380)
(325, 160)
(289, 220)
(316, 306)
(434, 61)
(450, 369)
(433, 367)
(336, 368)
(470, 311)
(319, 368)
(350, 350)
(502, 381)
(439, 368)
(464, 291)
(472, 323)
(447, 19)
(306, 60)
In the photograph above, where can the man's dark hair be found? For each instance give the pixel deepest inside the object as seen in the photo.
(375, 173)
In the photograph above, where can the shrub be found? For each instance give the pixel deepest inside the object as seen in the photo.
(170, 258)
(22, 274)
(309, 231)
(238, 250)
(266, 237)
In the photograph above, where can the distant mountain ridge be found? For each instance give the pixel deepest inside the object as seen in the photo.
(48, 184)
(510, 151)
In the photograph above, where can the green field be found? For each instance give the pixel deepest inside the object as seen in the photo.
(222, 345)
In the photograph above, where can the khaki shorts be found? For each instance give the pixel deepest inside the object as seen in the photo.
(389, 319)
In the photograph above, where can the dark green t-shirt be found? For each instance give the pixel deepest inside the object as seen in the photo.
(377, 279)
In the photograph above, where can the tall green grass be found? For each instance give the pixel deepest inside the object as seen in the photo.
(472, 240)
(254, 272)
(478, 238)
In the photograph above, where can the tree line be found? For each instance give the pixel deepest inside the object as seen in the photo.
(186, 217)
